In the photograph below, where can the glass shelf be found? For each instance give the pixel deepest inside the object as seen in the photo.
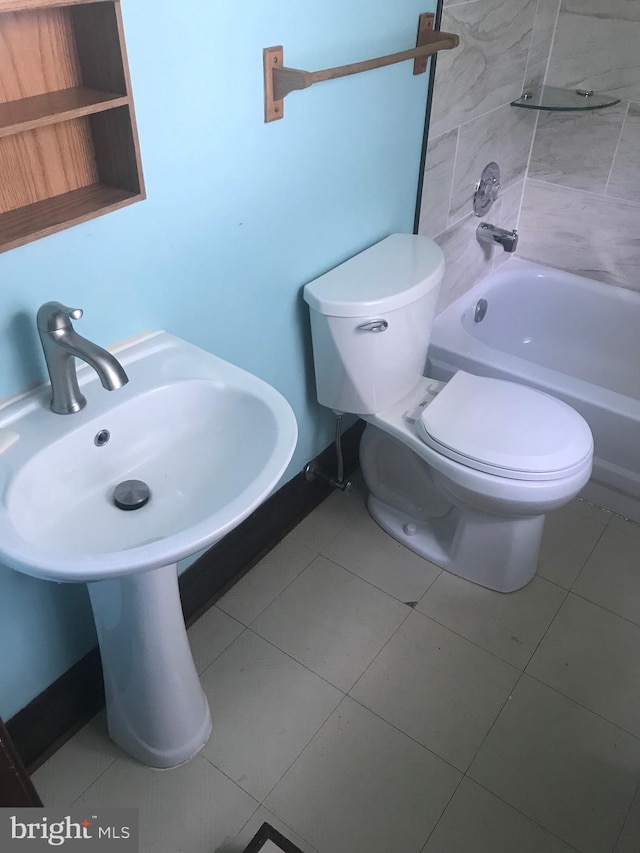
(564, 100)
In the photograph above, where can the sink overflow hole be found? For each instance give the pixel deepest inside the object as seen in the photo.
(480, 310)
(102, 437)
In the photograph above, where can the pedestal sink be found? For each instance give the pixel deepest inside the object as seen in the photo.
(211, 442)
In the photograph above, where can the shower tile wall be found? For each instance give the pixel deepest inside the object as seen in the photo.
(504, 46)
(581, 207)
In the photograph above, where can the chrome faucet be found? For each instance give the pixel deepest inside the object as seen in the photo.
(491, 234)
(61, 344)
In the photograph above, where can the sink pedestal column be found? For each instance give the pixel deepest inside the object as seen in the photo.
(156, 708)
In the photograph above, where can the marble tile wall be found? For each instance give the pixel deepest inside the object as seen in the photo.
(581, 206)
(504, 48)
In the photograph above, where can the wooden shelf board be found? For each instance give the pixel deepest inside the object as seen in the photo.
(52, 107)
(25, 224)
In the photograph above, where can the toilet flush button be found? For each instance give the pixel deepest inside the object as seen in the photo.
(410, 529)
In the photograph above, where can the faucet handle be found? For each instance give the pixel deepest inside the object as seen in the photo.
(56, 317)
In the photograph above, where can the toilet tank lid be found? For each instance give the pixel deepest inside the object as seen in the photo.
(388, 275)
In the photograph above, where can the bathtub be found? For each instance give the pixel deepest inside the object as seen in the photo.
(572, 337)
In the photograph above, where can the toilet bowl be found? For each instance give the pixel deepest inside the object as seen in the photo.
(462, 472)
(452, 504)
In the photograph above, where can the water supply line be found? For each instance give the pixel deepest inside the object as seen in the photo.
(312, 470)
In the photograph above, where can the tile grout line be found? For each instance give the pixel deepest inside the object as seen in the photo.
(286, 587)
(533, 29)
(404, 734)
(475, 755)
(495, 720)
(453, 180)
(569, 699)
(568, 592)
(442, 813)
(235, 640)
(606, 609)
(386, 723)
(307, 744)
(291, 657)
(488, 112)
(95, 781)
(548, 628)
(378, 588)
(461, 3)
(626, 818)
(524, 814)
(316, 675)
(523, 671)
(300, 754)
(341, 529)
(242, 828)
(230, 778)
(593, 195)
(554, 35)
(370, 664)
(468, 640)
(583, 707)
(243, 627)
(615, 153)
(316, 553)
(261, 802)
(464, 773)
(589, 555)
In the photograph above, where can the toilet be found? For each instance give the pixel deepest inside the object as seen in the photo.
(461, 472)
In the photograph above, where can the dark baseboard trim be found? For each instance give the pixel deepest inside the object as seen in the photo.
(50, 719)
(16, 789)
(38, 730)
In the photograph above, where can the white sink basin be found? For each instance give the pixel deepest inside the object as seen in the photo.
(211, 442)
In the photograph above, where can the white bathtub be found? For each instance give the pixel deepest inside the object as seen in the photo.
(573, 337)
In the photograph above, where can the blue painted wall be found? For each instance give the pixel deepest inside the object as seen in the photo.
(240, 214)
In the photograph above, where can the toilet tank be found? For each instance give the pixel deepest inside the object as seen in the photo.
(371, 321)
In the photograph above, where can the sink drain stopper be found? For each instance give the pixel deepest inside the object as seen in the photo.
(131, 494)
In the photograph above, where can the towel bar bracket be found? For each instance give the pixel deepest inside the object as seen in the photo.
(279, 81)
(426, 22)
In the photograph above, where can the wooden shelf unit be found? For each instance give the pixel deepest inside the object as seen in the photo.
(68, 141)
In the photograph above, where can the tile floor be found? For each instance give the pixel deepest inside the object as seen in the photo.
(366, 702)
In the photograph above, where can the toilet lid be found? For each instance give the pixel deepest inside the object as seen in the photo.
(506, 429)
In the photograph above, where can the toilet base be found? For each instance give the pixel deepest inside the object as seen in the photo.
(496, 552)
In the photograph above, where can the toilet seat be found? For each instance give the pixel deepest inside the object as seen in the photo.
(505, 429)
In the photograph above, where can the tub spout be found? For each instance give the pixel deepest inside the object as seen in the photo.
(491, 234)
